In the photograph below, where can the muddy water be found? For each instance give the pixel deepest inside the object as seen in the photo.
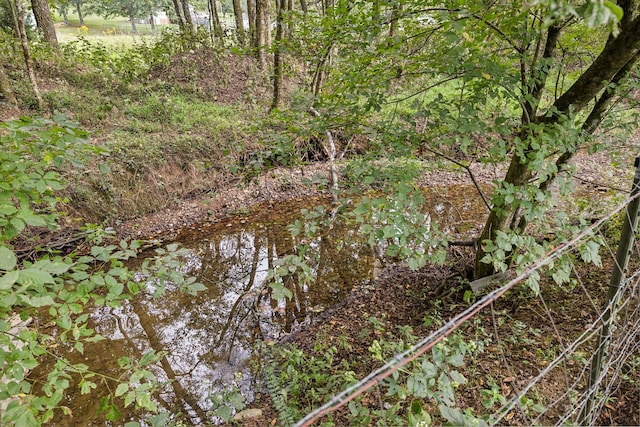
(207, 340)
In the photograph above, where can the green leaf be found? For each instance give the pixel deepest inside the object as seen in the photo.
(53, 267)
(32, 219)
(112, 414)
(34, 276)
(453, 415)
(8, 279)
(614, 9)
(8, 259)
(160, 420)
(27, 419)
(122, 389)
(38, 301)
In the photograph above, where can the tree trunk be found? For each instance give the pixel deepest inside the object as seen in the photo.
(27, 53)
(188, 19)
(251, 14)
(278, 55)
(214, 19)
(237, 13)
(613, 64)
(304, 7)
(63, 12)
(132, 19)
(177, 5)
(263, 31)
(152, 22)
(393, 24)
(79, 10)
(5, 88)
(44, 20)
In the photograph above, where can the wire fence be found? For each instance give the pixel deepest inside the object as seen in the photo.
(577, 392)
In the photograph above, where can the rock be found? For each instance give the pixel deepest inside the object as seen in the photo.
(248, 413)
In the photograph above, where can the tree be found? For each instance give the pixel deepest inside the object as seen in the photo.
(44, 21)
(278, 56)
(251, 16)
(237, 13)
(214, 20)
(263, 30)
(507, 64)
(132, 9)
(78, 4)
(26, 51)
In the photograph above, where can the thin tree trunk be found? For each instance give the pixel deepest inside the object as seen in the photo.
(132, 19)
(237, 12)
(263, 36)
(63, 12)
(393, 24)
(304, 7)
(177, 5)
(278, 55)
(251, 14)
(188, 19)
(27, 53)
(6, 90)
(216, 25)
(44, 20)
(152, 22)
(79, 10)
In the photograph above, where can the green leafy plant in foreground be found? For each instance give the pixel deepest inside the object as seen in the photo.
(57, 288)
(299, 382)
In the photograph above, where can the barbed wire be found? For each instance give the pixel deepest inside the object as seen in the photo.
(412, 353)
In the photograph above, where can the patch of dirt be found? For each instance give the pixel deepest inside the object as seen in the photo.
(225, 78)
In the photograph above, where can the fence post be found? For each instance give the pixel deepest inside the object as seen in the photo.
(617, 281)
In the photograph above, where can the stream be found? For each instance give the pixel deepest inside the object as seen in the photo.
(207, 340)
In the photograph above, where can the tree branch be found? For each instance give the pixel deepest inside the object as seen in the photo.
(468, 169)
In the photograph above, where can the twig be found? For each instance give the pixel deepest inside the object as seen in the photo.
(468, 169)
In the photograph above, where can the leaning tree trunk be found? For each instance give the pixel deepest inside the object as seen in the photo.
(79, 10)
(6, 90)
(63, 12)
(237, 13)
(614, 63)
(19, 12)
(278, 56)
(44, 21)
(177, 5)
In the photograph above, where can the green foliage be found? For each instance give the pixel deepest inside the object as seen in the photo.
(300, 381)
(34, 151)
(58, 288)
(226, 402)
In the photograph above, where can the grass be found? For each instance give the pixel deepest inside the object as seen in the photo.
(109, 32)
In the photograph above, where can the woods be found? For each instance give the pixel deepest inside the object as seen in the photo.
(374, 98)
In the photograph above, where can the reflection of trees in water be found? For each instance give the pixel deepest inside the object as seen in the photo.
(207, 338)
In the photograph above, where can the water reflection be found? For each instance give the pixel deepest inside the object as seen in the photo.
(207, 339)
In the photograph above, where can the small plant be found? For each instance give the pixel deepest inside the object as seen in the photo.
(227, 401)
